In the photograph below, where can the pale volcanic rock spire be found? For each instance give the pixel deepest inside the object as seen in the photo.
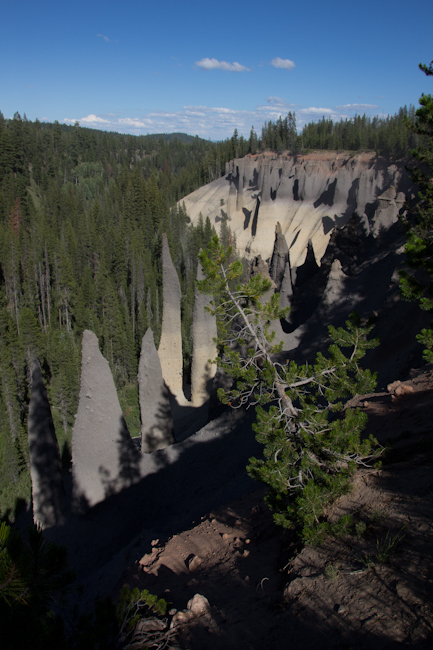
(156, 418)
(104, 458)
(48, 493)
(204, 331)
(280, 257)
(170, 345)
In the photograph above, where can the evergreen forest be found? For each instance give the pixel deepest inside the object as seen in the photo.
(82, 217)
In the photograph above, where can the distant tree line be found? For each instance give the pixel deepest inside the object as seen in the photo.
(389, 136)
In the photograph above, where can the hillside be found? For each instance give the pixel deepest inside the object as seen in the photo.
(371, 588)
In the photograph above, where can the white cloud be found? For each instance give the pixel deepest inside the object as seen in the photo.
(287, 64)
(357, 107)
(214, 122)
(89, 120)
(214, 64)
(275, 100)
(317, 111)
(106, 39)
(134, 122)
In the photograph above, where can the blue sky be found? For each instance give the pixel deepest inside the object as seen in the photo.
(207, 68)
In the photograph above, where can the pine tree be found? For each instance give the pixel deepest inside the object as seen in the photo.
(419, 218)
(312, 444)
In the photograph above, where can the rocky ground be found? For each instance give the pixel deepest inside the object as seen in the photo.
(371, 588)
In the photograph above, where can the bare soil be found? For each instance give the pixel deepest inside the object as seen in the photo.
(372, 588)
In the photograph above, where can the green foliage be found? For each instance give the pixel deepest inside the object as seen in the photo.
(312, 444)
(388, 136)
(134, 605)
(419, 218)
(82, 214)
(33, 576)
(386, 547)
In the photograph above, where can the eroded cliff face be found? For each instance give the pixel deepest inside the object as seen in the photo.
(309, 195)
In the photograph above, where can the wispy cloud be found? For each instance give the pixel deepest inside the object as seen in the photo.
(279, 103)
(214, 64)
(357, 107)
(287, 64)
(106, 39)
(215, 122)
(89, 120)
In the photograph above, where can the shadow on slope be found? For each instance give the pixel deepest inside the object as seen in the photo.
(371, 289)
(182, 483)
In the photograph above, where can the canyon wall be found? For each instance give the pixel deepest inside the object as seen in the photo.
(309, 195)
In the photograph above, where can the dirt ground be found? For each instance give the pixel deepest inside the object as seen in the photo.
(372, 588)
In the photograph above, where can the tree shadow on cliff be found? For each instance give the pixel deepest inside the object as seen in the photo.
(161, 433)
(45, 462)
(129, 463)
(173, 487)
(370, 288)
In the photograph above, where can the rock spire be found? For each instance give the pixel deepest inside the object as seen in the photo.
(48, 492)
(105, 460)
(204, 330)
(156, 418)
(170, 346)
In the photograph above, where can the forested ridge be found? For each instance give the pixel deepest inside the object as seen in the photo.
(83, 214)
(82, 217)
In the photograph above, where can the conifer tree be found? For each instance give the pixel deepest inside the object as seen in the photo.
(312, 444)
(419, 218)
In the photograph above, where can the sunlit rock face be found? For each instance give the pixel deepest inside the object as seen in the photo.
(308, 195)
(104, 458)
(170, 345)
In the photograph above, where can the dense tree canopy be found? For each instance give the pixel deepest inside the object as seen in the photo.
(82, 217)
(419, 217)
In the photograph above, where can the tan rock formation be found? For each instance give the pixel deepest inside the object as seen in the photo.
(390, 204)
(48, 493)
(204, 330)
(280, 257)
(170, 345)
(334, 291)
(156, 418)
(309, 195)
(104, 458)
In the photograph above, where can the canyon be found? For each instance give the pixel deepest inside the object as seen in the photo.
(325, 228)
